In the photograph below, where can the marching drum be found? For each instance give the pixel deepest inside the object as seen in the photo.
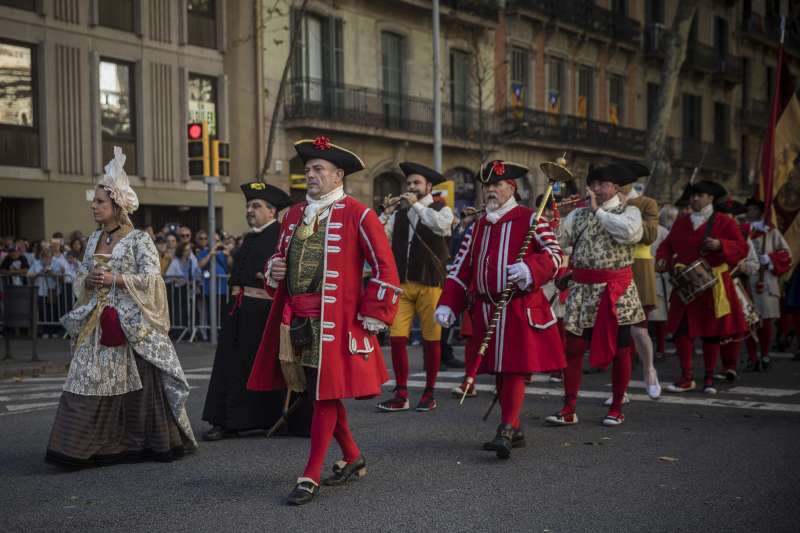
(693, 280)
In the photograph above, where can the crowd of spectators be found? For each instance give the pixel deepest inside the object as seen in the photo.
(51, 266)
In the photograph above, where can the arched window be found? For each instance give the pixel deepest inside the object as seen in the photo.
(386, 184)
(466, 191)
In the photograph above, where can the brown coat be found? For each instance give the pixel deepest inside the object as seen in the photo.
(644, 274)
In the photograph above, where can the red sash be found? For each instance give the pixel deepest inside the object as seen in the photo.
(606, 325)
(302, 305)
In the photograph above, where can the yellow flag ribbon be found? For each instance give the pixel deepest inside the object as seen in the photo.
(722, 306)
(642, 251)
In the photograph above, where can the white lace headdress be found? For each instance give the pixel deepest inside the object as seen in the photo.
(116, 183)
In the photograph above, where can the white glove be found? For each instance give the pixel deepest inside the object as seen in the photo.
(444, 316)
(520, 274)
(759, 226)
(373, 325)
(764, 260)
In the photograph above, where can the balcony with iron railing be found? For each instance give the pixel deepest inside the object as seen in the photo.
(705, 155)
(375, 109)
(568, 130)
(709, 60)
(754, 114)
(767, 31)
(586, 15)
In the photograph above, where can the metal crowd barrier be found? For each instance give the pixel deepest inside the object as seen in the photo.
(187, 300)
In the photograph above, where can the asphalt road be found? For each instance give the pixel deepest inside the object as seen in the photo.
(687, 463)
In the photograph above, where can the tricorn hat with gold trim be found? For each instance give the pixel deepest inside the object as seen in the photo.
(322, 148)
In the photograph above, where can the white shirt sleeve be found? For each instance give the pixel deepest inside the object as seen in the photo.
(625, 227)
(440, 222)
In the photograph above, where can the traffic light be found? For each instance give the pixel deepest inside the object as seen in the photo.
(220, 159)
(199, 163)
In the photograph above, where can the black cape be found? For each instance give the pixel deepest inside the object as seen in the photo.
(228, 403)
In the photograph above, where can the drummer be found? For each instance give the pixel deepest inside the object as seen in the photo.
(703, 241)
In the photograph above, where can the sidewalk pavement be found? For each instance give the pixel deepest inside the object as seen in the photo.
(54, 356)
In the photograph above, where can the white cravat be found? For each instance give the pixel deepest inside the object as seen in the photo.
(699, 218)
(262, 228)
(494, 215)
(315, 206)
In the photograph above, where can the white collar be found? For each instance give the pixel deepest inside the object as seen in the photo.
(500, 212)
(698, 218)
(326, 200)
(426, 200)
(632, 194)
(611, 203)
(262, 228)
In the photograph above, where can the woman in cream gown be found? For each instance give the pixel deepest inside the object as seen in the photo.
(124, 401)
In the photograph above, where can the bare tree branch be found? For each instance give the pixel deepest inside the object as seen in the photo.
(674, 43)
(295, 38)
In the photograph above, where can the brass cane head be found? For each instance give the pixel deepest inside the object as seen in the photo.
(557, 171)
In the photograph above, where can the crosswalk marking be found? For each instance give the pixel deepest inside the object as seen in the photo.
(740, 390)
(677, 400)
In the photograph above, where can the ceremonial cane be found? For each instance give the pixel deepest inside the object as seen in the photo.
(555, 172)
(287, 411)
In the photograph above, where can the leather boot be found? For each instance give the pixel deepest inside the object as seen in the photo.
(517, 441)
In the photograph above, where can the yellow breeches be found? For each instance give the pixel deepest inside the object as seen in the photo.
(417, 300)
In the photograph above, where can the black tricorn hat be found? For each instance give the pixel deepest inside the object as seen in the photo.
(730, 206)
(754, 202)
(683, 199)
(708, 187)
(256, 190)
(620, 173)
(323, 148)
(497, 170)
(429, 174)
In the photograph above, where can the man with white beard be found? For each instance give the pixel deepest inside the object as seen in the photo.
(527, 338)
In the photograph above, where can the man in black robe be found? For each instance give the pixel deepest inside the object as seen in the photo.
(230, 408)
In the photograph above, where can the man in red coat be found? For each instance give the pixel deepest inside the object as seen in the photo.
(715, 313)
(325, 317)
(527, 338)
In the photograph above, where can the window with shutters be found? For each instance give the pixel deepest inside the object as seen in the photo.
(519, 77)
(720, 37)
(117, 14)
(19, 128)
(616, 99)
(692, 117)
(721, 124)
(459, 87)
(318, 62)
(585, 107)
(118, 110)
(652, 104)
(202, 22)
(654, 11)
(556, 86)
(27, 5)
(392, 60)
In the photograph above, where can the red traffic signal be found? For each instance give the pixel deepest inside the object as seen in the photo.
(195, 131)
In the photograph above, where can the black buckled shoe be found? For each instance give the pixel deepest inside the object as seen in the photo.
(503, 441)
(517, 441)
(305, 491)
(343, 471)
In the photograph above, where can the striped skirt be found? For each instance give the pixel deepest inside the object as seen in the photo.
(103, 430)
